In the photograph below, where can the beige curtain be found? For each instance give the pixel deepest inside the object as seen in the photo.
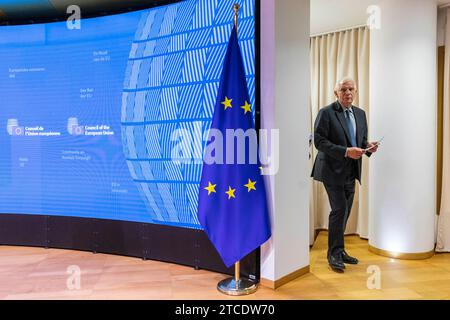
(334, 56)
(443, 234)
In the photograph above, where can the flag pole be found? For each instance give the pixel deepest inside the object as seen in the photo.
(237, 286)
(236, 8)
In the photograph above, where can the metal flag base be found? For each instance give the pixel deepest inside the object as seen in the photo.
(241, 287)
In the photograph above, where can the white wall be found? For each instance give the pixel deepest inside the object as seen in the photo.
(286, 106)
(441, 24)
(403, 109)
(331, 15)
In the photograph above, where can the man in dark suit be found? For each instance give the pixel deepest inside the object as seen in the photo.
(340, 135)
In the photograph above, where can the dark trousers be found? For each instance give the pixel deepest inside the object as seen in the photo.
(341, 201)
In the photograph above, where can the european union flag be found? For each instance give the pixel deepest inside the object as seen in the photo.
(232, 205)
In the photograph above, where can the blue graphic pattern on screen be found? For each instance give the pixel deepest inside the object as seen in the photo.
(88, 115)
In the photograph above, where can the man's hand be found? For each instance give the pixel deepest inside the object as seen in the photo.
(373, 146)
(355, 153)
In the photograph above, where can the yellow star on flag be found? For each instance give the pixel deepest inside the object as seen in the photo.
(230, 193)
(250, 185)
(247, 107)
(227, 103)
(211, 188)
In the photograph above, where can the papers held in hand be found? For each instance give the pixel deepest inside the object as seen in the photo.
(374, 146)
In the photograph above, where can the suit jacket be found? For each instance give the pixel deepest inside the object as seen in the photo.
(332, 138)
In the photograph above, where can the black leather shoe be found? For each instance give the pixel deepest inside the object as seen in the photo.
(336, 264)
(348, 259)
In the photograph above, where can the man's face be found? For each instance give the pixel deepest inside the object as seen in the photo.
(346, 94)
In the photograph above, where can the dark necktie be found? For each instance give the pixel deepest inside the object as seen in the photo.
(351, 129)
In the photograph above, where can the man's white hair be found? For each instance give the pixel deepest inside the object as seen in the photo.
(342, 81)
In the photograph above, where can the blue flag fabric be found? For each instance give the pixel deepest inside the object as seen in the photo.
(232, 204)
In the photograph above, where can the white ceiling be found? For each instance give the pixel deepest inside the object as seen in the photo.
(327, 15)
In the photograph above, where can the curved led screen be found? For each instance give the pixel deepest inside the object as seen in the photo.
(89, 116)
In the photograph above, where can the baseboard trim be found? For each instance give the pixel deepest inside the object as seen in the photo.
(286, 279)
(401, 255)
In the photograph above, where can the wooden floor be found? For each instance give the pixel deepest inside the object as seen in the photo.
(35, 273)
